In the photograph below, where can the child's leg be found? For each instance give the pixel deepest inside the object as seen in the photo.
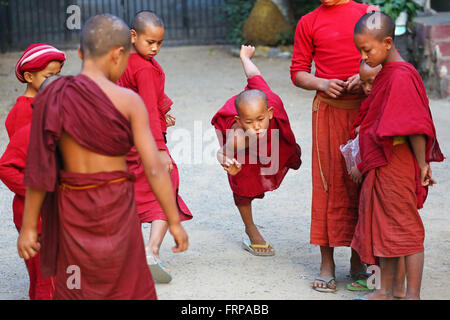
(400, 277)
(414, 270)
(327, 268)
(355, 263)
(388, 270)
(250, 228)
(157, 234)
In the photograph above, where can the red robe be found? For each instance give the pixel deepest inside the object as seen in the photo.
(389, 224)
(89, 221)
(325, 35)
(12, 167)
(19, 116)
(249, 182)
(146, 77)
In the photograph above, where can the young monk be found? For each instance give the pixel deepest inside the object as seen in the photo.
(145, 76)
(397, 141)
(257, 147)
(334, 209)
(38, 62)
(82, 128)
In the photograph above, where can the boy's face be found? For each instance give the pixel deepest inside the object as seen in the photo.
(254, 118)
(35, 79)
(366, 77)
(149, 42)
(373, 51)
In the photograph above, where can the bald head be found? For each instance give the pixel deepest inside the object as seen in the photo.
(250, 98)
(104, 32)
(376, 23)
(144, 19)
(48, 81)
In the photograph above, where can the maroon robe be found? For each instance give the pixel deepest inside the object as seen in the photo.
(249, 182)
(146, 77)
(89, 221)
(389, 224)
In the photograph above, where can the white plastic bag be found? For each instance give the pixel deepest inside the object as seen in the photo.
(351, 154)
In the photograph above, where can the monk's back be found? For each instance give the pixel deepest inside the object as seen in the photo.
(79, 159)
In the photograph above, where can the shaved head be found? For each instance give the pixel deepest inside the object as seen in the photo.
(367, 71)
(249, 97)
(143, 19)
(48, 81)
(103, 32)
(376, 23)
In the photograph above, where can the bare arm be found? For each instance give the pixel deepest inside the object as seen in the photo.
(234, 144)
(156, 172)
(246, 55)
(418, 144)
(27, 243)
(332, 87)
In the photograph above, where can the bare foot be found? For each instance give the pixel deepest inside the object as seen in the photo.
(326, 272)
(379, 295)
(256, 238)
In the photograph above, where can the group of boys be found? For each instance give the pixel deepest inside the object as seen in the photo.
(95, 193)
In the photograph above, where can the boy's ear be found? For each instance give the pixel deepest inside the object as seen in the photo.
(270, 109)
(389, 42)
(80, 54)
(117, 53)
(238, 120)
(28, 76)
(133, 36)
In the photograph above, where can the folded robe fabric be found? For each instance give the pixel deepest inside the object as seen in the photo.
(251, 180)
(95, 229)
(389, 224)
(397, 106)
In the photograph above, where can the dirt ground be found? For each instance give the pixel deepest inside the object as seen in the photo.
(199, 80)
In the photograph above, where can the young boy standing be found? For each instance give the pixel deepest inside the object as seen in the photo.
(37, 63)
(145, 76)
(325, 35)
(397, 141)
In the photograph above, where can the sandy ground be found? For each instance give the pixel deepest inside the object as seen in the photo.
(200, 80)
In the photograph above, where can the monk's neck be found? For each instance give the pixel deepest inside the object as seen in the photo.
(30, 91)
(94, 70)
(394, 56)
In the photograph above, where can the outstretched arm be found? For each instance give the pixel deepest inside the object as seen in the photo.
(156, 172)
(246, 55)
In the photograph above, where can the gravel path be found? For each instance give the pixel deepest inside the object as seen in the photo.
(200, 80)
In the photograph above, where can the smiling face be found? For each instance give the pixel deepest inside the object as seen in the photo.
(149, 42)
(373, 51)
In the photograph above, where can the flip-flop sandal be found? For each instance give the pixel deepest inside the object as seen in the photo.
(362, 286)
(251, 248)
(158, 269)
(361, 298)
(327, 282)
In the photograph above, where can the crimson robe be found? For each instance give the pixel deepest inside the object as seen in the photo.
(250, 182)
(146, 77)
(89, 221)
(389, 224)
(19, 116)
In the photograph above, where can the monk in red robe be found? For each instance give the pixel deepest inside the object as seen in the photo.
(38, 62)
(325, 35)
(82, 128)
(397, 141)
(258, 146)
(145, 76)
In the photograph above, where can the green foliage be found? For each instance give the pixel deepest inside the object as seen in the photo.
(302, 7)
(234, 13)
(394, 7)
(286, 38)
